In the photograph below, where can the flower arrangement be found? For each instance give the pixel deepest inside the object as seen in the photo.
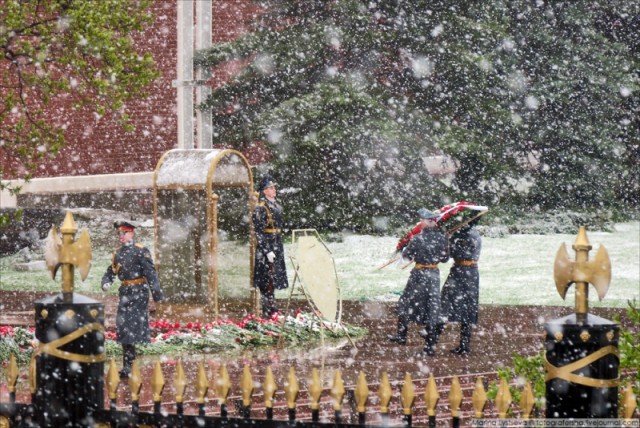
(193, 337)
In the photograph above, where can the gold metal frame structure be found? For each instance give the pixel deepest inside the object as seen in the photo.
(209, 158)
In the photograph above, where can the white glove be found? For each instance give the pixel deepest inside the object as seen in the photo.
(271, 256)
(105, 286)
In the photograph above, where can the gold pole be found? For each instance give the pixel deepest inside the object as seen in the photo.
(582, 248)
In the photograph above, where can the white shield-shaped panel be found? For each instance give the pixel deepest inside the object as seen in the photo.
(317, 271)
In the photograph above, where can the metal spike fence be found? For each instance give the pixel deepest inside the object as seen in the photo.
(447, 401)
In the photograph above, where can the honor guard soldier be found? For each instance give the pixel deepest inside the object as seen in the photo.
(270, 272)
(133, 265)
(420, 300)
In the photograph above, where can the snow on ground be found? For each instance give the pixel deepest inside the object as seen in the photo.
(514, 269)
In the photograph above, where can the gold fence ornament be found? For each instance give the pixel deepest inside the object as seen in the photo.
(527, 401)
(455, 397)
(337, 391)
(629, 403)
(582, 272)
(180, 382)
(223, 385)
(157, 381)
(52, 348)
(269, 388)
(246, 386)
(407, 395)
(67, 253)
(12, 373)
(362, 392)
(135, 381)
(503, 399)
(431, 396)
(384, 393)
(291, 389)
(315, 389)
(479, 399)
(202, 383)
(565, 372)
(113, 380)
(33, 374)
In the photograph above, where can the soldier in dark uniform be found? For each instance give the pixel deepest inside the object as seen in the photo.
(133, 265)
(420, 300)
(460, 293)
(270, 272)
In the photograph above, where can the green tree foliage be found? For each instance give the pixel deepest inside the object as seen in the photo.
(76, 50)
(532, 101)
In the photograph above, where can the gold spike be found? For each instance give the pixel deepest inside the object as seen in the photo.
(246, 386)
(384, 393)
(408, 395)
(202, 383)
(157, 382)
(315, 389)
(13, 372)
(503, 399)
(527, 401)
(362, 392)
(223, 385)
(431, 396)
(69, 224)
(455, 397)
(269, 387)
(135, 381)
(291, 389)
(479, 398)
(33, 374)
(337, 391)
(113, 380)
(629, 403)
(179, 383)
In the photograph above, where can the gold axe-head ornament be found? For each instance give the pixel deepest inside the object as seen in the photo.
(582, 271)
(67, 252)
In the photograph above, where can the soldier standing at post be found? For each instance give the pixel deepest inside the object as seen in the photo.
(420, 300)
(461, 290)
(133, 265)
(270, 272)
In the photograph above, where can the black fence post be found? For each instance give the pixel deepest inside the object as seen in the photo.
(69, 360)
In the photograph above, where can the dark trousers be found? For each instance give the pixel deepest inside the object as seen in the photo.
(268, 303)
(128, 356)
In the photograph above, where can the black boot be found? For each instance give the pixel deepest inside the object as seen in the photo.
(465, 340)
(128, 356)
(431, 340)
(268, 303)
(401, 337)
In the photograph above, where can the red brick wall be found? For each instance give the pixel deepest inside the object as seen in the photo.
(100, 145)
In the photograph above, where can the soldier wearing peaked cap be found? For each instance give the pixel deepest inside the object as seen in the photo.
(270, 271)
(133, 265)
(420, 300)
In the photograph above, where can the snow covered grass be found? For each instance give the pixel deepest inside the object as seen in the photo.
(514, 270)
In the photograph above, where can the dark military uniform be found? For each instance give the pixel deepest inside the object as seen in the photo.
(267, 222)
(133, 265)
(420, 300)
(461, 291)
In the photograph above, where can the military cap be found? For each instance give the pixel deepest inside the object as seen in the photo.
(267, 181)
(425, 213)
(123, 225)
